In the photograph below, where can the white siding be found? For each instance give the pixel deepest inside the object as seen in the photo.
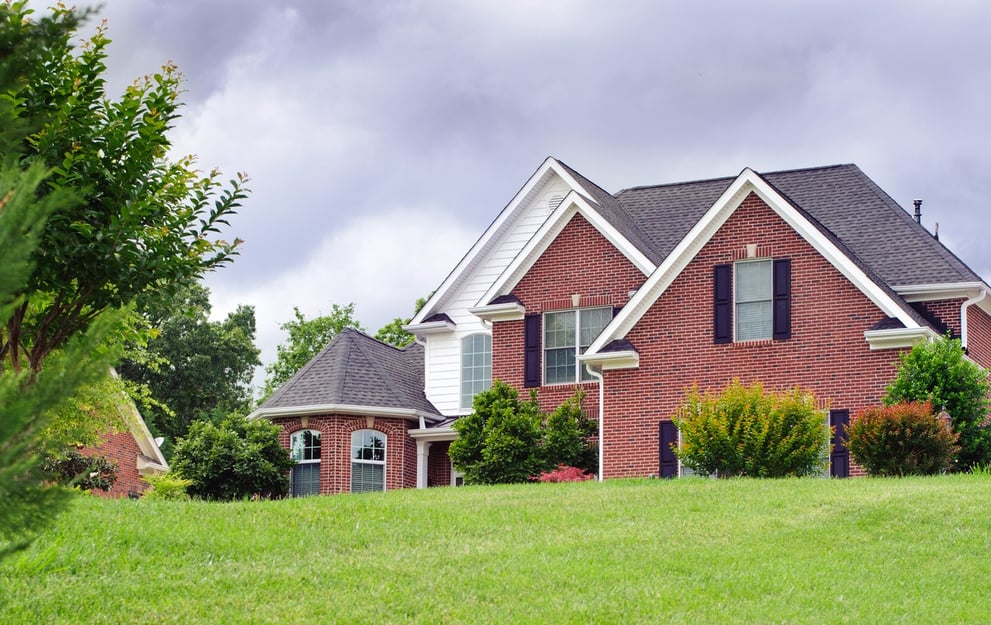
(443, 353)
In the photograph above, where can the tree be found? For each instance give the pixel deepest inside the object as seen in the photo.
(508, 440)
(940, 372)
(138, 226)
(194, 368)
(746, 431)
(235, 460)
(393, 333)
(306, 338)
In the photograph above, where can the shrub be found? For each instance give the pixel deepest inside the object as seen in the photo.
(83, 472)
(508, 440)
(941, 373)
(235, 460)
(902, 439)
(564, 473)
(167, 486)
(745, 431)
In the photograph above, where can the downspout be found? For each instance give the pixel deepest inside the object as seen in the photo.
(597, 374)
(963, 316)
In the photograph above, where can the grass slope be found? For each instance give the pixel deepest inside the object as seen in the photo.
(685, 551)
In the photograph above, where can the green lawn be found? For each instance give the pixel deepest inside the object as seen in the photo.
(645, 551)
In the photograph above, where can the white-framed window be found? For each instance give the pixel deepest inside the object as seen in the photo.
(567, 334)
(754, 300)
(304, 477)
(476, 367)
(367, 461)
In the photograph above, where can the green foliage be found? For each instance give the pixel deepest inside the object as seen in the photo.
(139, 226)
(939, 372)
(167, 487)
(506, 440)
(195, 369)
(306, 338)
(902, 439)
(72, 468)
(93, 411)
(393, 333)
(745, 431)
(237, 459)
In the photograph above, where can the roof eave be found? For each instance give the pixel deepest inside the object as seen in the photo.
(931, 292)
(446, 433)
(430, 327)
(509, 311)
(626, 359)
(410, 414)
(898, 338)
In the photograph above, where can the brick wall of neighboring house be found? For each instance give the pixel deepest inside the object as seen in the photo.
(439, 464)
(122, 449)
(826, 354)
(335, 448)
(580, 262)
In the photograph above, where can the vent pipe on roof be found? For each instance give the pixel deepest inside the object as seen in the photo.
(918, 211)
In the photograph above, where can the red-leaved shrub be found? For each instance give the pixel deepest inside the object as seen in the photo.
(564, 473)
(902, 439)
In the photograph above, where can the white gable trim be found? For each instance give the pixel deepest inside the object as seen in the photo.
(573, 204)
(494, 233)
(748, 181)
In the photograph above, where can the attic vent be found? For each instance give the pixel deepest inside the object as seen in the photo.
(555, 201)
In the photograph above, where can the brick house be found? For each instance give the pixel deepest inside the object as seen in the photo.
(811, 277)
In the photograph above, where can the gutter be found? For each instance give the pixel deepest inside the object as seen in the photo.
(963, 315)
(597, 374)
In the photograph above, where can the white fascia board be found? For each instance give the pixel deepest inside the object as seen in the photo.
(446, 433)
(748, 181)
(897, 338)
(409, 414)
(432, 327)
(495, 230)
(626, 359)
(934, 292)
(574, 204)
(510, 311)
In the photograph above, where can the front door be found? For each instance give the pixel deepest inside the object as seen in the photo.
(839, 457)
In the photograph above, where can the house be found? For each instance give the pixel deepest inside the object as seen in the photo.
(810, 277)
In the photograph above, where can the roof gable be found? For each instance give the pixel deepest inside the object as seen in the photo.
(713, 218)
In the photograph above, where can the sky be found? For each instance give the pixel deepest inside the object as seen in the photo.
(382, 137)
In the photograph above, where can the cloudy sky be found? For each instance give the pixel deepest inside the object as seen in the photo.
(383, 137)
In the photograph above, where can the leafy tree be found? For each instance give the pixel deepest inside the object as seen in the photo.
(235, 460)
(393, 333)
(745, 431)
(72, 468)
(306, 338)
(939, 372)
(195, 368)
(507, 440)
(138, 226)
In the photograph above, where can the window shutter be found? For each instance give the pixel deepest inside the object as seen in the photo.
(531, 349)
(722, 318)
(782, 299)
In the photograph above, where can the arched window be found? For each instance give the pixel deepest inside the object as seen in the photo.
(367, 461)
(304, 447)
(476, 367)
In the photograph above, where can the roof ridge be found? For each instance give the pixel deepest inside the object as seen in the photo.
(729, 179)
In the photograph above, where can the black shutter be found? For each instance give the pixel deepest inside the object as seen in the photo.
(668, 461)
(722, 318)
(782, 299)
(531, 349)
(839, 455)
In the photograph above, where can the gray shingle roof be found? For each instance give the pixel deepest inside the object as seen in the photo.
(357, 370)
(847, 204)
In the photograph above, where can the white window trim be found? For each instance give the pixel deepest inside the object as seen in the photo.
(383, 463)
(297, 452)
(579, 365)
(461, 370)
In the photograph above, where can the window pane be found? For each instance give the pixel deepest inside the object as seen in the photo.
(366, 478)
(559, 329)
(305, 445)
(753, 281)
(753, 321)
(476, 366)
(559, 365)
(592, 322)
(368, 445)
(305, 479)
(754, 309)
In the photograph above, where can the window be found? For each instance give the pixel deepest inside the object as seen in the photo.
(567, 334)
(367, 461)
(304, 478)
(476, 366)
(753, 300)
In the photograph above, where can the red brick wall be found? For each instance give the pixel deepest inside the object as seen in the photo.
(335, 448)
(827, 353)
(439, 465)
(581, 262)
(122, 449)
(979, 336)
(947, 311)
